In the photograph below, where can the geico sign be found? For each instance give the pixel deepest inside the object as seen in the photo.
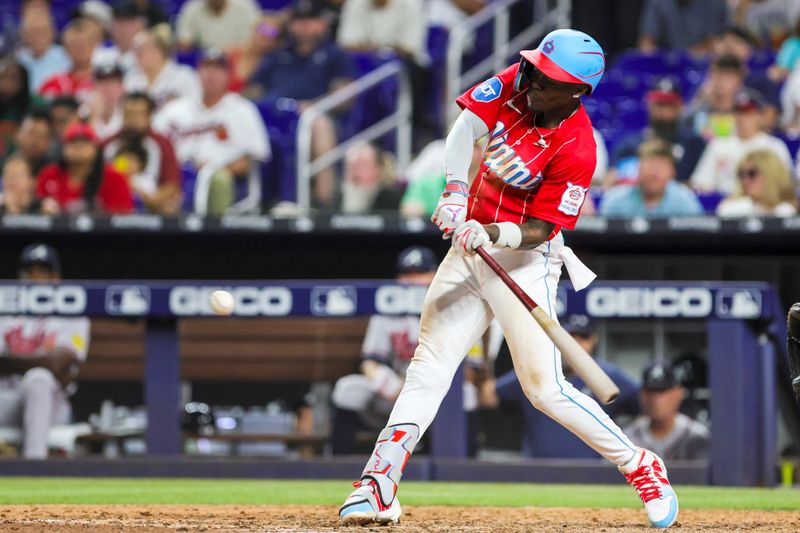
(644, 302)
(400, 299)
(43, 299)
(248, 301)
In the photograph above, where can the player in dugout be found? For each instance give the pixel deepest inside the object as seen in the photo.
(364, 400)
(40, 357)
(533, 181)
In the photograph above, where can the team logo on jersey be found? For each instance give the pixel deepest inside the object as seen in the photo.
(504, 162)
(488, 90)
(572, 199)
(548, 47)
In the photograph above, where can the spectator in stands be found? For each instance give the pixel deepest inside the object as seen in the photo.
(34, 140)
(156, 73)
(147, 157)
(97, 12)
(364, 400)
(664, 111)
(216, 23)
(374, 25)
(64, 110)
(80, 39)
(370, 181)
(769, 20)
(40, 359)
(81, 181)
(716, 171)
(657, 194)
(267, 37)
(14, 100)
(105, 103)
(19, 190)
(710, 113)
(739, 43)
(128, 20)
(764, 188)
(788, 56)
(662, 428)
(541, 436)
(309, 67)
(450, 13)
(683, 24)
(39, 54)
(222, 130)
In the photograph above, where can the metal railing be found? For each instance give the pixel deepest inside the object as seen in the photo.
(550, 14)
(400, 121)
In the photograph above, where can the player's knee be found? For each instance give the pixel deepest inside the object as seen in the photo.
(544, 397)
(38, 379)
(351, 392)
(427, 373)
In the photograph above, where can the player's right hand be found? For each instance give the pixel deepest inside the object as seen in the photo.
(450, 212)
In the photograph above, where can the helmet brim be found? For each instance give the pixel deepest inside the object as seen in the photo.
(550, 69)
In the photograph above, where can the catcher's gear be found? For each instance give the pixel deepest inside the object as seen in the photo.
(793, 346)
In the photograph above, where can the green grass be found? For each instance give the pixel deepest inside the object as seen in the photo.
(26, 490)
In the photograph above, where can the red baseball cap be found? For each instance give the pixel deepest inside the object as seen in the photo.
(665, 91)
(79, 130)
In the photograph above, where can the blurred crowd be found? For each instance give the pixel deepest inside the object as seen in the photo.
(126, 107)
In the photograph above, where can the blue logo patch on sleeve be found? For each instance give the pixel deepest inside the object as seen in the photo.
(488, 90)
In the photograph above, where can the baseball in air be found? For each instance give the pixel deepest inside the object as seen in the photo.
(221, 303)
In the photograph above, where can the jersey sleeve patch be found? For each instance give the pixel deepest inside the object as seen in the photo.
(488, 91)
(572, 199)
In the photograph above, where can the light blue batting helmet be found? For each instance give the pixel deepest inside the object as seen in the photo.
(569, 56)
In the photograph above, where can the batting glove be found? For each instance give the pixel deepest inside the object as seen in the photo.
(452, 208)
(470, 236)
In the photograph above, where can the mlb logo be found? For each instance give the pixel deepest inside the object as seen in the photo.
(333, 301)
(739, 303)
(128, 300)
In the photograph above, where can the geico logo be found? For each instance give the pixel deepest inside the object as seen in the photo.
(43, 299)
(248, 301)
(399, 299)
(643, 302)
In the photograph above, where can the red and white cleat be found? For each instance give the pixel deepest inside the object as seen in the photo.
(364, 506)
(648, 475)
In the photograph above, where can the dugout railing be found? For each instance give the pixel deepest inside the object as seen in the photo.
(743, 319)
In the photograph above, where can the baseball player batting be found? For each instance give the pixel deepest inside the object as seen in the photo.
(533, 181)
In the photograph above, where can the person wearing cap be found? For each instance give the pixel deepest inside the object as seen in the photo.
(662, 427)
(40, 54)
(81, 181)
(127, 21)
(764, 188)
(104, 105)
(664, 114)
(216, 23)
(308, 67)
(221, 131)
(80, 37)
(364, 400)
(655, 194)
(532, 183)
(541, 436)
(716, 170)
(40, 357)
(156, 73)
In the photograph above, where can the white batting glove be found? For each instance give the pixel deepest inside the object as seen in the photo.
(452, 208)
(470, 236)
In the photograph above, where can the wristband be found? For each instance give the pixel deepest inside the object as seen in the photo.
(457, 187)
(509, 235)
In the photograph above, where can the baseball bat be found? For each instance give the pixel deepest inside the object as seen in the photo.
(581, 362)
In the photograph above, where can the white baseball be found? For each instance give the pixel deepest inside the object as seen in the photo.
(221, 303)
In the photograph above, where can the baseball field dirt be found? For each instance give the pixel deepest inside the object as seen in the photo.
(297, 518)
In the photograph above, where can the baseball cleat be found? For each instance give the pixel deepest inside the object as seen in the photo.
(364, 506)
(648, 475)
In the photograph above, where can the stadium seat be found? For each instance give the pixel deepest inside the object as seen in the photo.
(659, 63)
(278, 174)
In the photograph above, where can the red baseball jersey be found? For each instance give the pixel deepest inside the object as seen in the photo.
(527, 173)
(113, 195)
